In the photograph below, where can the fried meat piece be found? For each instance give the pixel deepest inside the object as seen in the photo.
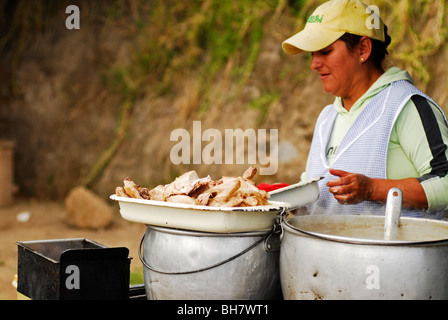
(180, 198)
(157, 193)
(119, 191)
(131, 189)
(250, 173)
(144, 193)
(181, 185)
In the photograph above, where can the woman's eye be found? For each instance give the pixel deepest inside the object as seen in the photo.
(322, 53)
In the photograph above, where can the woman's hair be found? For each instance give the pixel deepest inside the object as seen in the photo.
(379, 48)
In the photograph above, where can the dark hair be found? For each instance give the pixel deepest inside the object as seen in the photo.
(379, 48)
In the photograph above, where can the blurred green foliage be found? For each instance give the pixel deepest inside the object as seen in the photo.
(204, 35)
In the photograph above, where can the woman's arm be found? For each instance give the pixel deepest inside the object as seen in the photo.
(422, 134)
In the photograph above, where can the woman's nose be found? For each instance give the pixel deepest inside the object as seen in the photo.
(316, 63)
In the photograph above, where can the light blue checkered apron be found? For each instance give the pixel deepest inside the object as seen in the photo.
(362, 150)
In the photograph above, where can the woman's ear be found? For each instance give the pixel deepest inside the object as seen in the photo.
(365, 48)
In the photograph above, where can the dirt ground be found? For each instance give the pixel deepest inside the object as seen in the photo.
(47, 220)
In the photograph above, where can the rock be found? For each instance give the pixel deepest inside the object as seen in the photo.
(87, 210)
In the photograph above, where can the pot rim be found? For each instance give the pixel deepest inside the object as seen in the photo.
(286, 225)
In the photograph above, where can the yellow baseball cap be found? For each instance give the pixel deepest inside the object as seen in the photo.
(331, 20)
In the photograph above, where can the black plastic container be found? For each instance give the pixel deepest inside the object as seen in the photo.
(72, 269)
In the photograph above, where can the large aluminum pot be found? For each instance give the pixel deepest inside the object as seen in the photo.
(183, 264)
(345, 257)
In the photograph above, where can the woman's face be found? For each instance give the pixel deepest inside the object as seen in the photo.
(337, 67)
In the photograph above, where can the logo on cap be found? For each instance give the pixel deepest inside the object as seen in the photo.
(315, 19)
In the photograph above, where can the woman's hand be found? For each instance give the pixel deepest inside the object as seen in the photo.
(350, 188)
(353, 188)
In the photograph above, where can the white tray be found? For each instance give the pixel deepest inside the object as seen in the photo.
(199, 218)
(297, 195)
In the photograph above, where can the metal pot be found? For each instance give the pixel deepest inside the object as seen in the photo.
(182, 264)
(346, 257)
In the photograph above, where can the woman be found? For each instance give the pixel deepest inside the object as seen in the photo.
(381, 131)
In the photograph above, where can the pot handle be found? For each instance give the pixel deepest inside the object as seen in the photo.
(274, 238)
(142, 258)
